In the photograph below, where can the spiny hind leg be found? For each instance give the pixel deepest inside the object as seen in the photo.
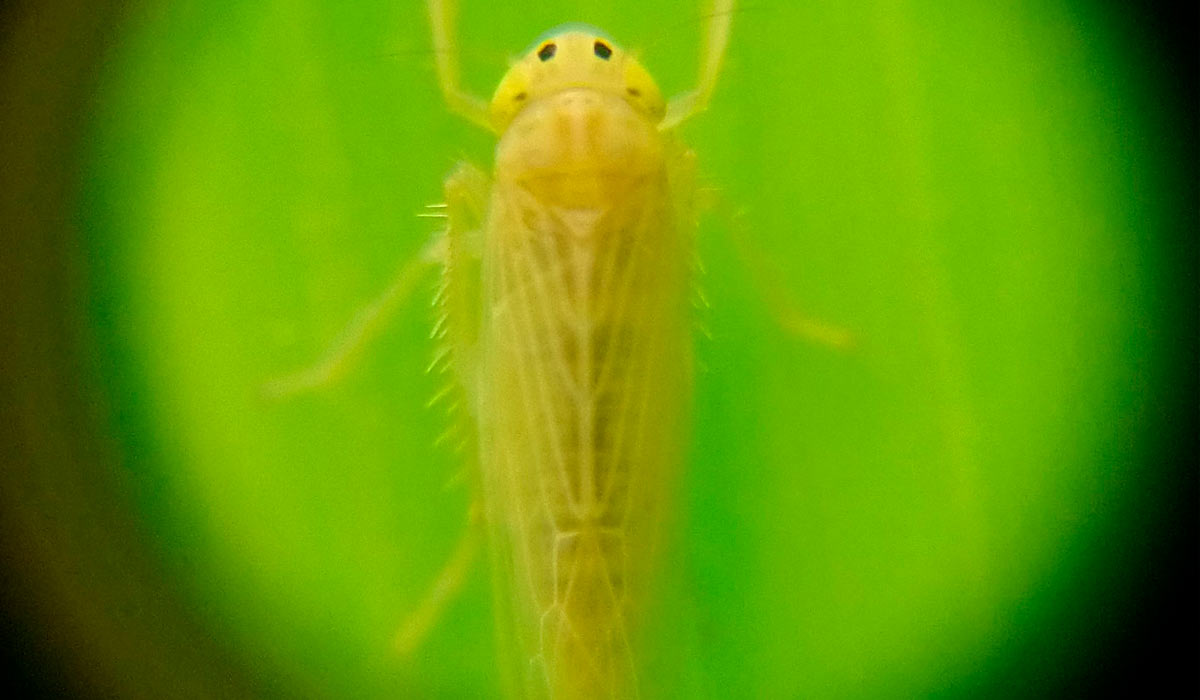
(445, 587)
(452, 248)
(365, 325)
(712, 53)
(443, 19)
(766, 280)
(459, 297)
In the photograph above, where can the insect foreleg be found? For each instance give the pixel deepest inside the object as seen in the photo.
(445, 51)
(712, 52)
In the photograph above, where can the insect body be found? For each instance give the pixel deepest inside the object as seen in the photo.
(566, 320)
(577, 362)
(583, 365)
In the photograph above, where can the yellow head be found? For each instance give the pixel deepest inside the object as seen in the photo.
(574, 56)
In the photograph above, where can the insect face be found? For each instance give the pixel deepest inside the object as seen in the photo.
(576, 56)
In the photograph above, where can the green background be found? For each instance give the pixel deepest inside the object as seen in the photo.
(984, 196)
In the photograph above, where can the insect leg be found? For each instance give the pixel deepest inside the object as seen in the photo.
(766, 279)
(442, 20)
(466, 193)
(445, 587)
(365, 325)
(712, 52)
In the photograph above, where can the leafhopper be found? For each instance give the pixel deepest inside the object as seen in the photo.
(566, 326)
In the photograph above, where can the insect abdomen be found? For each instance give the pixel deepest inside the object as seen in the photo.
(586, 378)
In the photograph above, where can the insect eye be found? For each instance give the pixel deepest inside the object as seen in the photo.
(602, 49)
(547, 51)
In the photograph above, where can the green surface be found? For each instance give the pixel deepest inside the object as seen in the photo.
(973, 191)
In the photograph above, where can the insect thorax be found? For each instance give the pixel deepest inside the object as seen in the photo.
(579, 148)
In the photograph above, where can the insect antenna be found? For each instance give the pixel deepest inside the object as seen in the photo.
(667, 31)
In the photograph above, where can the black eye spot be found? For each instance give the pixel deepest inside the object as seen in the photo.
(602, 49)
(633, 92)
(547, 51)
(520, 96)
